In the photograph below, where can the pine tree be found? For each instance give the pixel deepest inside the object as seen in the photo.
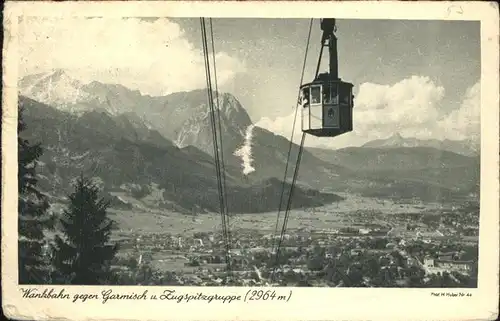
(83, 255)
(33, 218)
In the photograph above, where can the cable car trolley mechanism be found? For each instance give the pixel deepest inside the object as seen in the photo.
(327, 101)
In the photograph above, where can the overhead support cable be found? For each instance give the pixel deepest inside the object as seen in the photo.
(223, 169)
(215, 143)
(291, 136)
(291, 139)
(290, 197)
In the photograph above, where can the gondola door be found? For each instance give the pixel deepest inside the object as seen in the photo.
(331, 106)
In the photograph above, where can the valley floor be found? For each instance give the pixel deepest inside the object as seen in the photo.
(357, 242)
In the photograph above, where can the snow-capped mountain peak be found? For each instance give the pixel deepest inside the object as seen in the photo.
(65, 92)
(54, 88)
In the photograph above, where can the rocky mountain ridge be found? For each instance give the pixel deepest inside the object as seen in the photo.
(253, 155)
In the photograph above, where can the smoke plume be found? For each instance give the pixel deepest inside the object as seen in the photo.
(245, 151)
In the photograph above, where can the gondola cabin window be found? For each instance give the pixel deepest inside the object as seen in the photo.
(330, 94)
(335, 94)
(345, 94)
(305, 97)
(315, 95)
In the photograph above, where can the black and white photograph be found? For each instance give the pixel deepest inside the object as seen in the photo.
(263, 152)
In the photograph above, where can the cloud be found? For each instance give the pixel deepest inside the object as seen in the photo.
(282, 125)
(152, 56)
(410, 107)
(465, 122)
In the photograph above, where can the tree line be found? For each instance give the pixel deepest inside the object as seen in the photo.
(80, 251)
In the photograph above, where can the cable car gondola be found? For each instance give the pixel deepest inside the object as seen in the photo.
(327, 101)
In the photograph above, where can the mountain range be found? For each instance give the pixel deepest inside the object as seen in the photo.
(118, 153)
(464, 147)
(124, 137)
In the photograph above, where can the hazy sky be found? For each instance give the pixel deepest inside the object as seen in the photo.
(419, 78)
